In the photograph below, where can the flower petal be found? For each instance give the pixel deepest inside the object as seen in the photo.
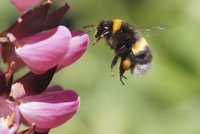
(53, 18)
(55, 88)
(17, 91)
(77, 47)
(24, 5)
(45, 50)
(36, 20)
(9, 117)
(31, 84)
(30, 23)
(49, 109)
(4, 129)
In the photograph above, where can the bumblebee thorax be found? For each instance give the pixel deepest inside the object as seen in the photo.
(116, 25)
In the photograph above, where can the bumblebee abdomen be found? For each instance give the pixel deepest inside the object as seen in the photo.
(143, 57)
(139, 45)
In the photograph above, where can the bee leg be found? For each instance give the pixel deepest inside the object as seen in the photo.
(125, 65)
(96, 41)
(121, 80)
(122, 75)
(114, 62)
(121, 72)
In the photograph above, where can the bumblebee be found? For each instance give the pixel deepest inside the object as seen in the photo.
(128, 45)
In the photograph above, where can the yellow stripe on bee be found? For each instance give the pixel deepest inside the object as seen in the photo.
(139, 45)
(116, 25)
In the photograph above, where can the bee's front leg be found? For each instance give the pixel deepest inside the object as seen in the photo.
(114, 62)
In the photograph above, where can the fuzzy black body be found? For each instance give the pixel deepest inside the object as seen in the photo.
(127, 44)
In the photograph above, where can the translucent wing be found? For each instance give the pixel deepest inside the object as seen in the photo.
(152, 29)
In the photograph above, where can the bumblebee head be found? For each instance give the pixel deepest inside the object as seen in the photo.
(104, 29)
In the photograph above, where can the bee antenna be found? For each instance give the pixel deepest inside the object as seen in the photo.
(90, 26)
(90, 30)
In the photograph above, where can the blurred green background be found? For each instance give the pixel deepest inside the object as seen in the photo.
(164, 101)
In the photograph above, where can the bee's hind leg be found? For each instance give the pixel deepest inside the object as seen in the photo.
(125, 65)
(121, 73)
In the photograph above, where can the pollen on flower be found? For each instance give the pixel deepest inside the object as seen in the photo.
(10, 120)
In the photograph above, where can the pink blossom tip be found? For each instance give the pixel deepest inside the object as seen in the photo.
(24, 5)
(78, 46)
(49, 109)
(44, 50)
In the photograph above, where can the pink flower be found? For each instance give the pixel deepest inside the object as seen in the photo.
(37, 41)
(51, 48)
(77, 47)
(36, 30)
(24, 5)
(48, 109)
(44, 50)
(9, 117)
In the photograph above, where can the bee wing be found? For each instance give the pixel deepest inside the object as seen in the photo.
(140, 69)
(153, 29)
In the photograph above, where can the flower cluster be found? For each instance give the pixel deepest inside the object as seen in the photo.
(37, 41)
